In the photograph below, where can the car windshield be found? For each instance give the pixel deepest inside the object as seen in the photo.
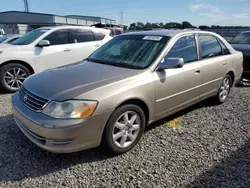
(2, 39)
(29, 37)
(243, 38)
(130, 51)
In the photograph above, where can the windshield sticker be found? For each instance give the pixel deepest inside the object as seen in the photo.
(155, 38)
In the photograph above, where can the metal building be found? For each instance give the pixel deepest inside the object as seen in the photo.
(21, 22)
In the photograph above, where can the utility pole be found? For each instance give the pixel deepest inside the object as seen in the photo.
(26, 6)
(121, 18)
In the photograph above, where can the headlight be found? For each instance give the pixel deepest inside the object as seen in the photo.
(70, 109)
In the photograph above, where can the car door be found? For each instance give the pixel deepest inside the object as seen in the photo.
(215, 59)
(84, 43)
(179, 87)
(59, 53)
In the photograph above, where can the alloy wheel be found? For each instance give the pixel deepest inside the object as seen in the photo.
(126, 129)
(14, 77)
(224, 89)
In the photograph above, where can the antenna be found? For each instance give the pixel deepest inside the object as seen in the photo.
(121, 18)
(26, 6)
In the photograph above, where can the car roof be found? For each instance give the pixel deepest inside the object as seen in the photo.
(245, 32)
(75, 27)
(169, 33)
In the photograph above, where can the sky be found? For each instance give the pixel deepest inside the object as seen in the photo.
(197, 12)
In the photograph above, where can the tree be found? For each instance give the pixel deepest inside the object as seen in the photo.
(155, 25)
(161, 25)
(132, 26)
(186, 24)
(125, 27)
(204, 27)
(148, 25)
(139, 25)
(172, 25)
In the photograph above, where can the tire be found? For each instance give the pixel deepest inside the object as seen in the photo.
(14, 73)
(225, 87)
(109, 141)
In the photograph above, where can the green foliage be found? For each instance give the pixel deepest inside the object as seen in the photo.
(176, 25)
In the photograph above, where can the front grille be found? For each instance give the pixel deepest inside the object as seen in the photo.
(31, 100)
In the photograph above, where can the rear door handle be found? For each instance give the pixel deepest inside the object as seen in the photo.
(224, 64)
(198, 72)
(67, 50)
(97, 45)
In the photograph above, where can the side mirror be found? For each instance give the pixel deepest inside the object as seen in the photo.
(43, 43)
(171, 63)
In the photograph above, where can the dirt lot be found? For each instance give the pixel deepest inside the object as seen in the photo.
(206, 146)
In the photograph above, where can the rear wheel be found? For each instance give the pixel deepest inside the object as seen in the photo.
(124, 129)
(12, 76)
(224, 89)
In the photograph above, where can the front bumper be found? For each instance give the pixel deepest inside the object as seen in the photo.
(74, 134)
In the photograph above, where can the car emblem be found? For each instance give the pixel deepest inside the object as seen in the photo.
(25, 97)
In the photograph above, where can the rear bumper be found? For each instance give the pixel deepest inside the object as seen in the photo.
(75, 135)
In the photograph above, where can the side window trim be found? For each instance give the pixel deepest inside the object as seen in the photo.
(221, 43)
(71, 36)
(186, 35)
(200, 51)
(68, 41)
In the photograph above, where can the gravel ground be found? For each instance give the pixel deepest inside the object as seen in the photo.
(210, 149)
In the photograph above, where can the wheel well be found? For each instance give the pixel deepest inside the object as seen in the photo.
(139, 103)
(231, 74)
(20, 62)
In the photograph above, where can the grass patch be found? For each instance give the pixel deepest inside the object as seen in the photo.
(175, 123)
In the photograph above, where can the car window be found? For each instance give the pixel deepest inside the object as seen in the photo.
(12, 40)
(118, 32)
(112, 32)
(58, 37)
(224, 48)
(2, 39)
(132, 51)
(30, 37)
(99, 36)
(185, 48)
(242, 38)
(81, 35)
(209, 46)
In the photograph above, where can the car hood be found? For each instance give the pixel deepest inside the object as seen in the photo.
(244, 48)
(9, 47)
(71, 81)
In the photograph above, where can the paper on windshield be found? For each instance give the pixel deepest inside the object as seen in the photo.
(154, 38)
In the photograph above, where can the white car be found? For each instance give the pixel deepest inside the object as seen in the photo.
(46, 48)
(7, 39)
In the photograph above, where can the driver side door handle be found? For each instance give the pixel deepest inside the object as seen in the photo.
(67, 50)
(198, 72)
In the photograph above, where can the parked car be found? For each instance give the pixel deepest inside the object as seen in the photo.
(115, 31)
(2, 32)
(46, 48)
(242, 43)
(130, 82)
(8, 39)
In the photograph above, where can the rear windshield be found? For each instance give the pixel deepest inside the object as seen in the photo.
(30, 37)
(131, 51)
(242, 38)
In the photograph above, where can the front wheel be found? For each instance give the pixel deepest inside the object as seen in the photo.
(12, 76)
(224, 89)
(124, 129)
